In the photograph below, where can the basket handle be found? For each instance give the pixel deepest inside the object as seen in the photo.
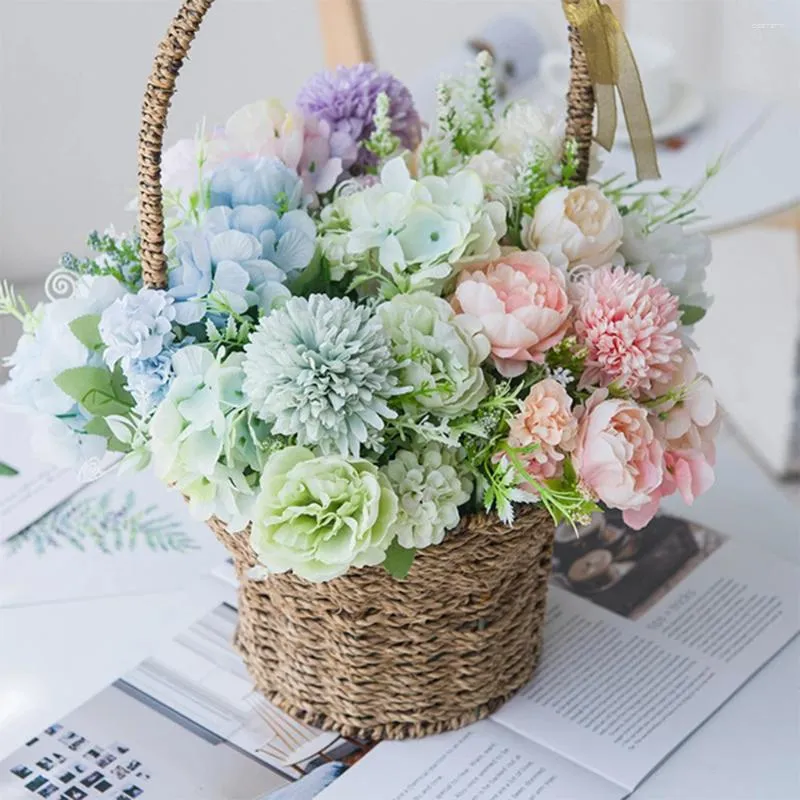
(171, 53)
(580, 104)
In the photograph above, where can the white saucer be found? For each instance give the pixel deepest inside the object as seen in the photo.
(688, 110)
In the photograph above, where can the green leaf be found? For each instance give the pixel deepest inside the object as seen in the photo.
(99, 427)
(99, 391)
(7, 471)
(86, 331)
(315, 278)
(691, 314)
(399, 560)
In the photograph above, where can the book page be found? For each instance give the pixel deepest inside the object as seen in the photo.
(481, 762)
(644, 641)
(29, 487)
(122, 534)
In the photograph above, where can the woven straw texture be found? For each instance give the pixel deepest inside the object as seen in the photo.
(370, 656)
(366, 655)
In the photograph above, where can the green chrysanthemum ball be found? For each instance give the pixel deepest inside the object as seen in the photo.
(320, 369)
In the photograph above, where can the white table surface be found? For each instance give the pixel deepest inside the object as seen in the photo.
(53, 657)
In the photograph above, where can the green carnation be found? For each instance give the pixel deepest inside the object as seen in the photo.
(441, 354)
(430, 490)
(319, 516)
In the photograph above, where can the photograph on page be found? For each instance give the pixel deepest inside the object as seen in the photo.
(624, 570)
(122, 534)
(186, 723)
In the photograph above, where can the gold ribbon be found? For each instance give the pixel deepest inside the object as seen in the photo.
(612, 66)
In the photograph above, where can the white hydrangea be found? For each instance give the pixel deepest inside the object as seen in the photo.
(191, 437)
(677, 258)
(429, 490)
(416, 231)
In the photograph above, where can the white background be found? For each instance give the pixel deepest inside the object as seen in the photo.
(72, 74)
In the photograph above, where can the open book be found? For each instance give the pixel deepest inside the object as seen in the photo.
(647, 634)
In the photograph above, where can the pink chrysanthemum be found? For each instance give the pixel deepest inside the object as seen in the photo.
(629, 324)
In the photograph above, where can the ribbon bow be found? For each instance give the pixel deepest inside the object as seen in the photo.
(612, 66)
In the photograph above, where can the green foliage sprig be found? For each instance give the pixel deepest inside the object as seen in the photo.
(118, 256)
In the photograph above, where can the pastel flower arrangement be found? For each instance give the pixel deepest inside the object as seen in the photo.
(371, 329)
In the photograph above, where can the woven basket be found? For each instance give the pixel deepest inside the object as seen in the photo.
(367, 655)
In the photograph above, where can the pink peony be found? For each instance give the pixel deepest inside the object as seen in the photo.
(189, 162)
(617, 455)
(630, 325)
(686, 420)
(304, 144)
(546, 422)
(521, 302)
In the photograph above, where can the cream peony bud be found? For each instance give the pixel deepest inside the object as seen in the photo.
(573, 227)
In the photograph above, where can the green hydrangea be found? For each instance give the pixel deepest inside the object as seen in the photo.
(440, 354)
(430, 490)
(319, 516)
(201, 440)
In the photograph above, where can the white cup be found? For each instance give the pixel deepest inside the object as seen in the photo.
(656, 61)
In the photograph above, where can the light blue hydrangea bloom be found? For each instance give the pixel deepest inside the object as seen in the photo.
(256, 182)
(149, 379)
(222, 269)
(137, 327)
(45, 351)
(287, 241)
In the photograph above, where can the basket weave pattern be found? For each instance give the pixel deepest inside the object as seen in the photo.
(367, 655)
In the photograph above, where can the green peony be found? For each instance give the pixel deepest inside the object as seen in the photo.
(430, 490)
(319, 516)
(441, 354)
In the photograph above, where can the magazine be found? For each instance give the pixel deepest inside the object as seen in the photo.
(647, 634)
(29, 488)
(185, 724)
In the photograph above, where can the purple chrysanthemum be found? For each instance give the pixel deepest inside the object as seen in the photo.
(345, 98)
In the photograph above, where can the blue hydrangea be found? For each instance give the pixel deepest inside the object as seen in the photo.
(256, 182)
(225, 264)
(137, 326)
(149, 379)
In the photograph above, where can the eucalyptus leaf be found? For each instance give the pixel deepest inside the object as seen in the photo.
(7, 471)
(399, 560)
(86, 330)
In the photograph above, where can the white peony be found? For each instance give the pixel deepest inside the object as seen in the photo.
(575, 227)
(677, 258)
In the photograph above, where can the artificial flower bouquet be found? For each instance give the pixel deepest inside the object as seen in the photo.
(370, 330)
(367, 343)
